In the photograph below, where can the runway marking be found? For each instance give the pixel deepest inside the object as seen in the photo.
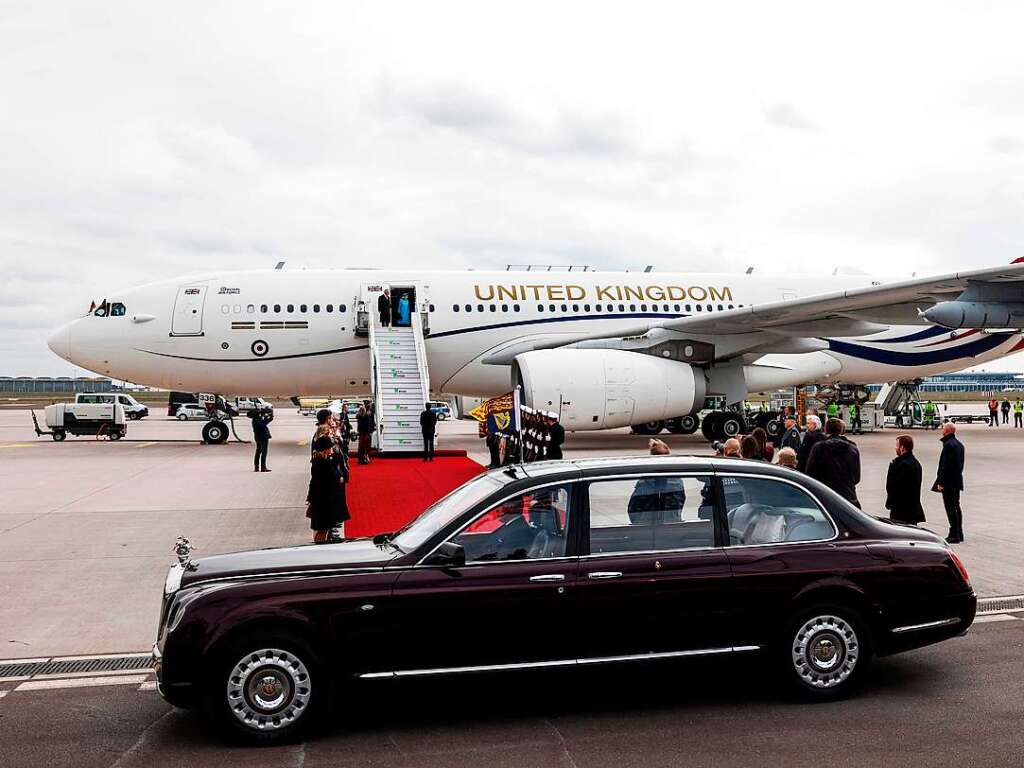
(144, 445)
(19, 445)
(81, 682)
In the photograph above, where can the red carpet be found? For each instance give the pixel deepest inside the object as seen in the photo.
(387, 493)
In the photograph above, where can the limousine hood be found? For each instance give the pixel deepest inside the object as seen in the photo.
(351, 553)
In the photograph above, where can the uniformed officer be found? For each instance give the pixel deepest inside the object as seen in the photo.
(261, 436)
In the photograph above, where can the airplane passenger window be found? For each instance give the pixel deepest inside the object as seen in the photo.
(277, 307)
(666, 307)
(250, 308)
(622, 307)
(687, 307)
(677, 308)
(224, 308)
(455, 307)
(316, 307)
(101, 311)
(719, 307)
(710, 308)
(586, 307)
(515, 307)
(730, 306)
(291, 307)
(540, 307)
(643, 307)
(479, 307)
(700, 308)
(469, 307)
(302, 308)
(493, 308)
(597, 307)
(237, 309)
(632, 307)
(504, 307)
(341, 307)
(431, 308)
(551, 307)
(329, 307)
(575, 307)
(565, 308)
(117, 309)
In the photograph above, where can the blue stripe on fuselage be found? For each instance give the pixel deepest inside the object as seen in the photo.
(911, 359)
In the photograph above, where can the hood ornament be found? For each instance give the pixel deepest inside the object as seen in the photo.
(183, 550)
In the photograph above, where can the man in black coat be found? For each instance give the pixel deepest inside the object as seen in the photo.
(791, 435)
(811, 438)
(261, 436)
(556, 436)
(903, 484)
(835, 461)
(428, 426)
(384, 308)
(949, 481)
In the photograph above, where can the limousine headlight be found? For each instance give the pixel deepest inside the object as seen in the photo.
(173, 581)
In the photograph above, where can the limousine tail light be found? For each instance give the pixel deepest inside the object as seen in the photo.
(959, 564)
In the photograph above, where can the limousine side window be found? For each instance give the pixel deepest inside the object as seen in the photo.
(760, 510)
(528, 527)
(651, 514)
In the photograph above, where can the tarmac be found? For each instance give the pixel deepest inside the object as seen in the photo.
(86, 526)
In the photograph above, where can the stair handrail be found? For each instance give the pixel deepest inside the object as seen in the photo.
(421, 355)
(376, 381)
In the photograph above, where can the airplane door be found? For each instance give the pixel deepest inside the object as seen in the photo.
(188, 311)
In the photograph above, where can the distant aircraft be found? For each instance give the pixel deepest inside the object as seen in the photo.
(602, 349)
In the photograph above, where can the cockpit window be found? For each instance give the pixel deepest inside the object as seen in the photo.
(117, 309)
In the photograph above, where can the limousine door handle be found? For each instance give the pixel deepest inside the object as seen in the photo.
(605, 575)
(548, 577)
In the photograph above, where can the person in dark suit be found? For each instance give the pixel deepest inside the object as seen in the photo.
(903, 484)
(261, 436)
(811, 438)
(384, 308)
(556, 436)
(949, 481)
(791, 435)
(428, 426)
(493, 442)
(835, 461)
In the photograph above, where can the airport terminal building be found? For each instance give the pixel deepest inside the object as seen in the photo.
(41, 384)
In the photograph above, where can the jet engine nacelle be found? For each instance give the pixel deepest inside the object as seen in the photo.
(607, 388)
(973, 314)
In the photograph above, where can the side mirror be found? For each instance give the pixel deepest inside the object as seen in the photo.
(449, 555)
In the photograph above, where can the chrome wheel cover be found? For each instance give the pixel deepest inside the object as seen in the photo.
(268, 689)
(825, 651)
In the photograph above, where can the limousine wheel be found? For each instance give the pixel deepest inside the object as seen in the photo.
(265, 689)
(828, 651)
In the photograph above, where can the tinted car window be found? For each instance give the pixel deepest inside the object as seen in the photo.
(660, 512)
(445, 511)
(766, 511)
(532, 526)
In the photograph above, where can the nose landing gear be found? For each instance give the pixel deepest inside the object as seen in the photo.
(215, 432)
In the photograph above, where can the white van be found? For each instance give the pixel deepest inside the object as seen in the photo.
(133, 409)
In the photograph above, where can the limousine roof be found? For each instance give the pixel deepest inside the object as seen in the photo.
(643, 464)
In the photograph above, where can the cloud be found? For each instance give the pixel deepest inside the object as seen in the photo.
(787, 116)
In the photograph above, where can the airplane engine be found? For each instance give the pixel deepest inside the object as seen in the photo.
(607, 388)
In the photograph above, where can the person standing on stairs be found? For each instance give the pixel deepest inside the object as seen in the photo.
(403, 311)
(428, 426)
(384, 308)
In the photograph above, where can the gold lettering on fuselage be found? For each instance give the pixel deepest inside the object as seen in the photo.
(565, 292)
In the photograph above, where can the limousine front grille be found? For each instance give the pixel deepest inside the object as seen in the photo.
(72, 666)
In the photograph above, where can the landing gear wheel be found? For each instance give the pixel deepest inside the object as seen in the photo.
(688, 424)
(730, 426)
(827, 651)
(648, 428)
(773, 428)
(215, 432)
(266, 689)
(60, 436)
(762, 420)
(709, 426)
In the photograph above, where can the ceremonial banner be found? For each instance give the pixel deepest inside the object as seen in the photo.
(501, 416)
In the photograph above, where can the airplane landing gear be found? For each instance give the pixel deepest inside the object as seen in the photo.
(721, 425)
(648, 428)
(215, 432)
(684, 425)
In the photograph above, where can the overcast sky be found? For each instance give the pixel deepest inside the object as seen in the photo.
(139, 140)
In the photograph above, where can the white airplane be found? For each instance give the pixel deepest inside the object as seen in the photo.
(603, 349)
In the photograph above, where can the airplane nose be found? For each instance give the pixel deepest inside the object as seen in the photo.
(60, 342)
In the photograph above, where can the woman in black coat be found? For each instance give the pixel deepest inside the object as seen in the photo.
(903, 484)
(326, 504)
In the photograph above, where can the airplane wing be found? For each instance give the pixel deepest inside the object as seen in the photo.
(847, 313)
(854, 312)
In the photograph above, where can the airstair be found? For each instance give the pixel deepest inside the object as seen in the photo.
(401, 382)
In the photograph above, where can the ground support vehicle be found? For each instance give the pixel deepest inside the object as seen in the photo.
(105, 419)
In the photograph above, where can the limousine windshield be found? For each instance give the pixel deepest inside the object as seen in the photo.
(446, 510)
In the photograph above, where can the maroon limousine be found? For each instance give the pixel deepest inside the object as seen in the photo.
(562, 564)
